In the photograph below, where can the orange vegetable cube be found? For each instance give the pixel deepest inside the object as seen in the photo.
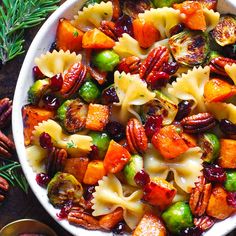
(189, 139)
(68, 37)
(98, 116)
(95, 171)
(116, 157)
(97, 39)
(169, 142)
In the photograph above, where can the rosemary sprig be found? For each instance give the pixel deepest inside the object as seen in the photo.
(15, 17)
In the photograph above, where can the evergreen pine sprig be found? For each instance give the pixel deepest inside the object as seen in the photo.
(15, 17)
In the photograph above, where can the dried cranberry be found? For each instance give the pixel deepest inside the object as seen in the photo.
(158, 80)
(191, 231)
(119, 228)
(214, 173)
(45, 141)
(88, 193)
(227, 127)
(37, 73)
(231, 199)
(170, 67)
(94, 153)
(56, 82)
(177, 29)
(142, 178)
(42, 179)
(53, 47)
(152, 125)
(124, 25)
(109, 96)
(50, 102)
(65, 210)
(115, 130)
(184, 109)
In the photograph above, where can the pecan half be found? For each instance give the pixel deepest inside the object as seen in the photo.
(198, 123)
(204, 222)
(200, 196)
(7, 147)
(129, 65)
(154, 63)
(108, 28)
(79, 217)
(136, 136)
(217, 65)
(5, 111)
(4, 186)
(55, 161)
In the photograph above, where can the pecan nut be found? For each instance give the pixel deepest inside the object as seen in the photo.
(204, 222)
(129, 65)
(200, 196)
(5, 111)
(78, 216)
(217, 65)
(4, 186)
(136, 136)
(198, 123)
(7, 147)
(108, 28)
(154, 63)
(55, 161)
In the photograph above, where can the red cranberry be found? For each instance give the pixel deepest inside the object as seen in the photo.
(231, 199)
(184, 109)
(65, 210)
(50, 101)
(191, 231)
(170, 67)
(56, 82)
(37, 73)
(158, 80)
(109, 96)
(88, 193)
(227, 127)
(42, 179)
(124, 25)
(142, 178)
(94, 153)
(45, 141)
(214, 173)
(115, 130)
(152, 125)
(177, 29)
(119, 228)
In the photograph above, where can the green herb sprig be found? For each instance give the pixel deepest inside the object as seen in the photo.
(15, 17)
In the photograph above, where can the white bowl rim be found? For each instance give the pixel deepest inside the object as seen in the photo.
(220, 228)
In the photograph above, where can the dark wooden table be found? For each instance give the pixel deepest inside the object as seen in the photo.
(18, 205)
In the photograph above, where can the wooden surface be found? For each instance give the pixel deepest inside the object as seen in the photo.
(19, 205)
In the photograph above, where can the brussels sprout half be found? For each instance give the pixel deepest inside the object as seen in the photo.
(62, 188)
(230, 183)
(89, 91)
(189, 48)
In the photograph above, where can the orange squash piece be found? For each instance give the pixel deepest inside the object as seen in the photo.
(32, 116)
(169, 143)
(68, 37)
(150, 225)
(116, 157)
(96, 39)
(189, 139)
(145, 33)
(217, 90)
(227, 158)
(94, 172)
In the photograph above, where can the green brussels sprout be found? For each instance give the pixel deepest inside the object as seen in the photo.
(89, 91)
(189, 48)
(37, 90)
(230, 183)
(91, 2)
(210, 145)
(134, 165)
(62, 188)
(105, 60)
(165, 3)
(224, 32)
(178, 217)
(72, 115)
(102, 141)
(213, 54)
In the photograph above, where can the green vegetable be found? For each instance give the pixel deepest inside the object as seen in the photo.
(89, 91)
(72, 115)
(62, 188)
(134, 165)
(101, 140)
(178, 217)
(105, 60)
(189, 48)
(37, 90)
(210, 145)
(165, 3)
(91, 2)
(230, 183)
(213, 54)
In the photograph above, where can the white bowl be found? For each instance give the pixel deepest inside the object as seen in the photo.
(41, 44)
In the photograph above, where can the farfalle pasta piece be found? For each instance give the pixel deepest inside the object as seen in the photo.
(109, 195)
(212, 18)
(186, 167)
(75, 144)
(231, 71)
(91, 17)
(162, 18)
(55, 62)
(190, 86)
(132, 91)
